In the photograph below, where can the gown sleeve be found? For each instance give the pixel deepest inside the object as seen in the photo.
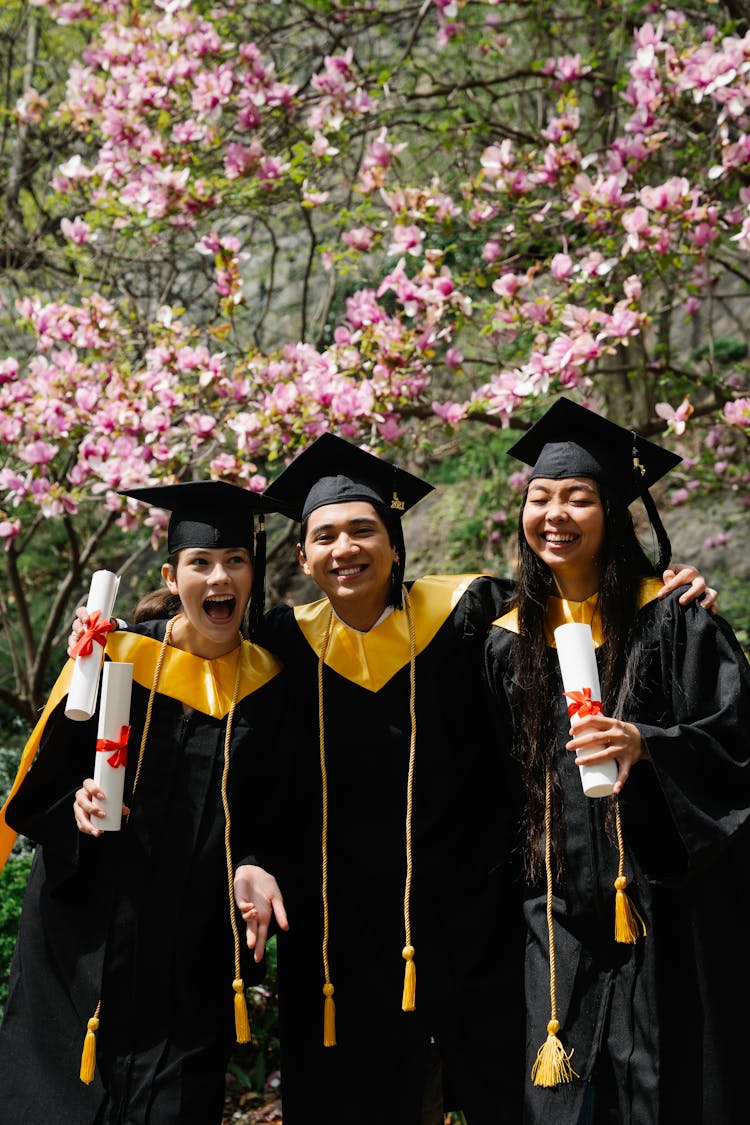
(696, 731)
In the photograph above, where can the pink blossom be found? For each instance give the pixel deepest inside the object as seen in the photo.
(8, 370)
(406, 240)
(450, 412)
(711, 542)
(77, 231)
(737, 413)
(491, 250)
(561, 266)
(676, 419)
(9, 529)
(359, 238)
(38, 453)
(679, 496)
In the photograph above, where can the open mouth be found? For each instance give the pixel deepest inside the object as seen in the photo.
(220, 610)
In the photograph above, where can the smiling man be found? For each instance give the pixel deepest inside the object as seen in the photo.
(403, 945)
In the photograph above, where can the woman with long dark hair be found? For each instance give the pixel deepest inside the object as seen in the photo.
(636, 981)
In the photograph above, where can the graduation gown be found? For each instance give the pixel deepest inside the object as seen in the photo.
(464, 920)
(656, 1027)
(138, 919)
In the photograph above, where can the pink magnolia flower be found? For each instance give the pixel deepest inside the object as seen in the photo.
(38, 453)
(676, 419)
(737, 413)
(406, 240)
(450, 412)
(77, 231)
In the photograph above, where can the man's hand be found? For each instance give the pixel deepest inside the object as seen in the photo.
(678, 575)
(258, 899)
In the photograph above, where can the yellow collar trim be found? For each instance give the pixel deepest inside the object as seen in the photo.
(206, 685)
(561, 611)
(372, 659)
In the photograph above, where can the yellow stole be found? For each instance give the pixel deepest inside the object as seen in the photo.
(205, 685)
(371, 659)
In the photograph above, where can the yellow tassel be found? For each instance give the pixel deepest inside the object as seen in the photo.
(628, 922)
(329, 1016)
(408, 1003)
(241, 1020)
(552, 1064)
(88, 1055)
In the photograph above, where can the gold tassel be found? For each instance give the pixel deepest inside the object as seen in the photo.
(329, 1016)
(552, 1063)
(88, 1055)
(241, 1019)
(628, 922)
(408, 1003)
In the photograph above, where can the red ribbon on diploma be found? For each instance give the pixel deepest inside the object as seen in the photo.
(582, 703)
(120, 748)
(96, 630)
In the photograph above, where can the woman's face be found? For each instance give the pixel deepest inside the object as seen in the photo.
(563, 522)
(214, 586)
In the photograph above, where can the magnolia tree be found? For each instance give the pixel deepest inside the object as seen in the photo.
(231, 226)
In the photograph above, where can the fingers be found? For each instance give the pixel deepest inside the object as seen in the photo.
(86, 809)
(279, 911)
(710, 601)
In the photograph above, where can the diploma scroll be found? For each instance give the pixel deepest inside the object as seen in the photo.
(112, 741)
(580, 677)
(85, 681)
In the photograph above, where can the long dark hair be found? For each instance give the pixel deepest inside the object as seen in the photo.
(623, 564)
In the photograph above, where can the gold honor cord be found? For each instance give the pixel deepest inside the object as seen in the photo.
(552, 1063)
(329, 1007)
(408, 1002)
(241, 1020)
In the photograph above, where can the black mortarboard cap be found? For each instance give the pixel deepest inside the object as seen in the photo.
(206, 513)
(570, 440)
(334, 471)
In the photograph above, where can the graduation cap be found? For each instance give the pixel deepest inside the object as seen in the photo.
(570, 440)
(206, 513)
(334, 471)
(213, 513)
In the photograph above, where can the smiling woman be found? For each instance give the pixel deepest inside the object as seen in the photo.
(134, 931)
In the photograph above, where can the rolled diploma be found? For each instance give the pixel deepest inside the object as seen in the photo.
(114, 715)
(85, 680)
(577, 656)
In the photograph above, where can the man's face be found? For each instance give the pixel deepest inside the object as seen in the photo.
(349, 554)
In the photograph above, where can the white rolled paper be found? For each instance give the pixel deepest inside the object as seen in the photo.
(577, 656)
(112, 741)
(85, 680)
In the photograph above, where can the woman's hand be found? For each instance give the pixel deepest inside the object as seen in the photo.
(78, 628)
(613, 739)
(258, 899)
(86, 809)
(678, 575)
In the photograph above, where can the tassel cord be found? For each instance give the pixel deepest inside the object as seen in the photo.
(329, 1010)
(408, 1002)
(241, 1020)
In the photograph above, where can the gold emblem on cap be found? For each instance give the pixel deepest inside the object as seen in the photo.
(396, 503)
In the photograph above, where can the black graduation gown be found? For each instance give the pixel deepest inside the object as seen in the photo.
(657, 1027)
(465, 922)
(139, 918)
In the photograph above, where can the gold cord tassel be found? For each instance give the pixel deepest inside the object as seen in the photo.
(88, 1055)
(552, 1063)
(241, 1018)
(409, 998)
(329, 1008)
(408, 1003)
(629, 924)
(329, 1016)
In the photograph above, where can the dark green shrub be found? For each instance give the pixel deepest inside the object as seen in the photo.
(13, 881)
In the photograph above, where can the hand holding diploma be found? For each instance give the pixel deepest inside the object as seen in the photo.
(106, 786)
(88, 650)
(605, 748)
